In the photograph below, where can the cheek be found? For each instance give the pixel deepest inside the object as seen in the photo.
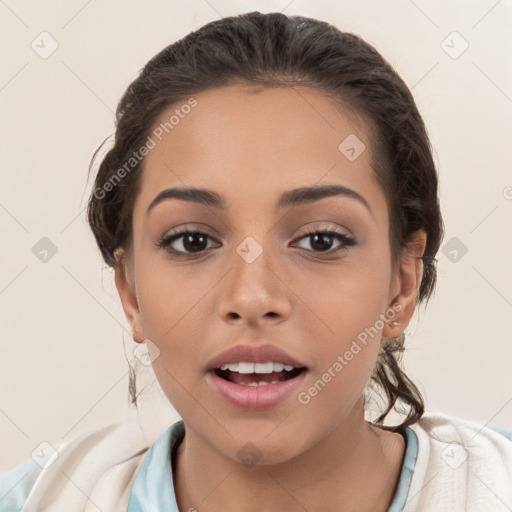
(166, 317)
(170, 297)
(341, 301)
(172, 323)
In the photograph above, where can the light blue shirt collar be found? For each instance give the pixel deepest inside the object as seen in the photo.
(153, 490)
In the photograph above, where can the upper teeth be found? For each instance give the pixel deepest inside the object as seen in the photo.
(244, 367)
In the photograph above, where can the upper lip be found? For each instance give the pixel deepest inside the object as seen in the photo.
(253, 354)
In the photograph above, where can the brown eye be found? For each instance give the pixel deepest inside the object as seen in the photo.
(322, 240)
(185, 242)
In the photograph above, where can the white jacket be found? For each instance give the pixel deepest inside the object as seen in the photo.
(451, 465)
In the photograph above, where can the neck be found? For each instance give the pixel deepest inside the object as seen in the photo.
(355, 467)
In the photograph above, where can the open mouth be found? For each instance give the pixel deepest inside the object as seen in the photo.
(256, 386)
(259, 379)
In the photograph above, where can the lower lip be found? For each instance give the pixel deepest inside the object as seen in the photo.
(255, 398)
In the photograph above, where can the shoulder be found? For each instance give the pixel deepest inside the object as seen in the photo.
(15, 485)
(505, 432)
(461, 461)
(99, 465)
(443, 428)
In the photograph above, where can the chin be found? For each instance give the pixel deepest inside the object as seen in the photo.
(260, 450)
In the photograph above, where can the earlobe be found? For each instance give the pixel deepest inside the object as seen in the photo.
(127, 294)
(406, 286)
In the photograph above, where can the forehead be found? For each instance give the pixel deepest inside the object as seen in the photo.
(253, 143)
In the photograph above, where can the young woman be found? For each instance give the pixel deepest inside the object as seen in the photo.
(270, 208)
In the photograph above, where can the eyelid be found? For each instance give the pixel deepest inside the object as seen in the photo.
(346, 241)
(308, 229)
(191, 226)
(324, 225)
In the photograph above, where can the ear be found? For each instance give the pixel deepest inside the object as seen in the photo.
(126, 288)
(405, 285)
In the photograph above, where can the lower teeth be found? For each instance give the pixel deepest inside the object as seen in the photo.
(261, 383)
(282, 377)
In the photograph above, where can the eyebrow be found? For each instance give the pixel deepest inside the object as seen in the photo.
(295, 197)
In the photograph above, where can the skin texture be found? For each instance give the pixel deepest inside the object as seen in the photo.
(250, 146)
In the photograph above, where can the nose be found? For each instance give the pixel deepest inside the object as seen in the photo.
(255, 291)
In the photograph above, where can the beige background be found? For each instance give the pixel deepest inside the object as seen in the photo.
(64, 339)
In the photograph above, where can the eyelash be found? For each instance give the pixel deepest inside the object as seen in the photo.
(166, 241)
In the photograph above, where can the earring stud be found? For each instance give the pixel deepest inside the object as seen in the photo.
(394, 324)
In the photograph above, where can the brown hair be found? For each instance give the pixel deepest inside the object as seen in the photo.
(275, 50)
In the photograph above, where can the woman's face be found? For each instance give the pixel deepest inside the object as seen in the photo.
(253, 276)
